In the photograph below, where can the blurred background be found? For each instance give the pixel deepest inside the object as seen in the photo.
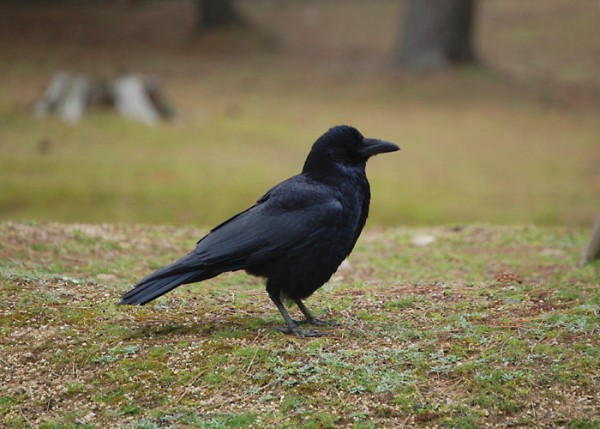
(495, 104)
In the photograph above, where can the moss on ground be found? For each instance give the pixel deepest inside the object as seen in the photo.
(487, 325)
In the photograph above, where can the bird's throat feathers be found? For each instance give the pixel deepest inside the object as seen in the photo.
(328, 168)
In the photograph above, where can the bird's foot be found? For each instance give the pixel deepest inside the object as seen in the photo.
(320, 322)
(299, 332)
(317, 322)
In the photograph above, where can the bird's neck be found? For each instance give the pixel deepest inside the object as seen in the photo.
(327, 170)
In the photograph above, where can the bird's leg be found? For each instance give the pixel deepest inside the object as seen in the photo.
(312, 319)
(292, 326)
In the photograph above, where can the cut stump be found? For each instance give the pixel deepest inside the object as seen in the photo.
(137, 97)
(592, 251)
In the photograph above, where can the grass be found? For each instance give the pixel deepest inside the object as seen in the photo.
(488, 325)
(512, 142)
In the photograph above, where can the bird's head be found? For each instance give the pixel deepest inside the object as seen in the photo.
(346, 146)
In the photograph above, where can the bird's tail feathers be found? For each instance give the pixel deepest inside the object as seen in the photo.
(165, 280)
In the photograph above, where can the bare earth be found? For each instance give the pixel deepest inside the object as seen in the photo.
(485, 327)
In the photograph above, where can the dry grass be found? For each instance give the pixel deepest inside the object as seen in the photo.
(515, 142)
(489, 326)
(485, 327)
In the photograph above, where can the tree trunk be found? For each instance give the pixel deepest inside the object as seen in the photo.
(437, 34)
(214, 14)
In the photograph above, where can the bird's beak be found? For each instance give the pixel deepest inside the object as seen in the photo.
(372, 147)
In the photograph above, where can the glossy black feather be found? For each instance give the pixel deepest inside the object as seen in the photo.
(296, 235)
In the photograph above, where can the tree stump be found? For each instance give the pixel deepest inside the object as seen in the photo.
(592, 251)
(136, 97)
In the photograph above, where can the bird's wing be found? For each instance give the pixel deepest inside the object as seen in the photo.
(277, 224)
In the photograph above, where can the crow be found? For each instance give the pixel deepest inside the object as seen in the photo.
(295, 236)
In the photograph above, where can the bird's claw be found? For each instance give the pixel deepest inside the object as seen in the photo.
(299, 332)
(319, 322)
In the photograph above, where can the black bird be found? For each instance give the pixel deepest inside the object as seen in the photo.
(295, 236)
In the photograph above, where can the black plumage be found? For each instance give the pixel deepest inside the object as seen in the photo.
(295, 236)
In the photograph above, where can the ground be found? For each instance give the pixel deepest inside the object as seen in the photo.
(487, 326)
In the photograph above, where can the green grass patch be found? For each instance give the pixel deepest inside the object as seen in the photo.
(470, 339)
